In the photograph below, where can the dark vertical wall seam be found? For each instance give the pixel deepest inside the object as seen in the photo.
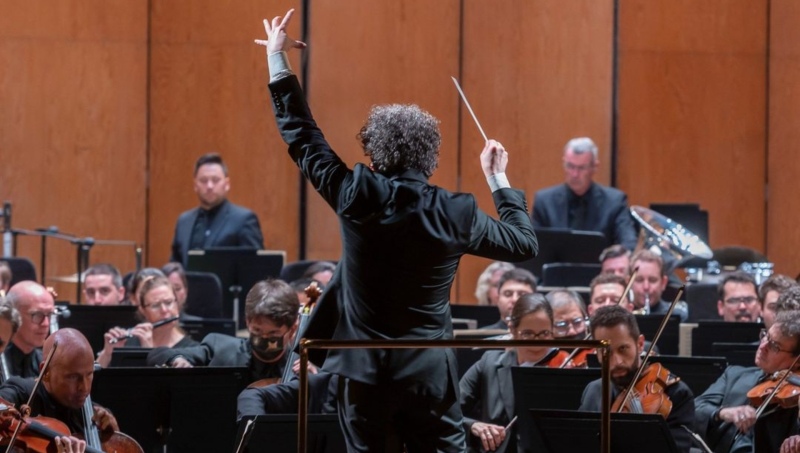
(766, 125)
(303, 188)
(614, 94)
(147, 116)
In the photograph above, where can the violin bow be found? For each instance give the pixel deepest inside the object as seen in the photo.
(33, 392)
(783, 379)
(629, 388)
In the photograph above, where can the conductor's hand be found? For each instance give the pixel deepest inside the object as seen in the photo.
(494, 158)
(491, 436)
(277, 39)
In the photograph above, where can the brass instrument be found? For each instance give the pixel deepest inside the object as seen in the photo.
(667, 236)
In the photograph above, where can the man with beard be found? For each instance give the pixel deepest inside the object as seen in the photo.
(271, 311)
(618, 326)
(738, 298)
(724, 410)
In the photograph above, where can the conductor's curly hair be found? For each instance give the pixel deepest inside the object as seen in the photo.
(398, 137)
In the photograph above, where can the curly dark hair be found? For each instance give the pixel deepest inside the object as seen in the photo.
(398, 137)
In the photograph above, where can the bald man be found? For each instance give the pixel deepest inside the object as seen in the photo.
(35, 306)
(64, 387)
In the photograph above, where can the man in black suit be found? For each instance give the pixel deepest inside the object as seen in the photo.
(217, 222)
(402, 240)
(582, 204)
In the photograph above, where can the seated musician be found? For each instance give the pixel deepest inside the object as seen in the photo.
(738, 298)
(157, 303)
(606, 289)
(724, 409)
(569, 314)
(616, 259)
(619, 327)
(282, 398)
(487, 383)
(768, 294)
(35, 305)
(63, 389)
(649, 285)
(9, 323)
(177, 276)
(271, 311)
(513, 284)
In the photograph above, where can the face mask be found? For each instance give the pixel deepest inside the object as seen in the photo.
(267, 349)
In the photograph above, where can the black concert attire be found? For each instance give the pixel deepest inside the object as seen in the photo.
(21, 364)
(662, 307)
(730, 390)
(220, 350)
(402, 239)
(603, 209)
(18, 390)
(282, 398)
(682, 413)
(185, 342)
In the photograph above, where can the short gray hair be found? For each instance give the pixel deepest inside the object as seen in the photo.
(482, 290)
(581, 145)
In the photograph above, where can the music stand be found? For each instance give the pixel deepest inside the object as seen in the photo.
(697, 372)
(93, 321)
(559, 245)
(546, 388)
(670, 338)
(466, 357)
(279, 432)
(485, 314)
(184, 409)
(742, 354)
(129, 357)
(198, 329)
(238, 269)
(709, 332)
(571, 431)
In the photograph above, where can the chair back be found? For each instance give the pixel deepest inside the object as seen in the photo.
(204, 297)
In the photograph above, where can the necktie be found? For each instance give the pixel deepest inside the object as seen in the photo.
(198, 240)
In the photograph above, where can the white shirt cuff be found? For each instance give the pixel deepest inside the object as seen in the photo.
(279, 67)
(498, 181)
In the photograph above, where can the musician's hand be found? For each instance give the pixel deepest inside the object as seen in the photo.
(744, 417)
(144, 332)
(104, 419)
(114, 333)
(791, 445)
(277, 39)
(180, 362)
(69, 444)
(491, 436)
(311, 368)
(494, 158)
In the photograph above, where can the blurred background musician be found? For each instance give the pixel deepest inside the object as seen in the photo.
(768, 294)
(102, 285)
(513, 284)
(486, 291)
(616, 259)
(607, 289)
(35, 305)
(177, 276)
(569, 314)
(738, 298)
(649, 285)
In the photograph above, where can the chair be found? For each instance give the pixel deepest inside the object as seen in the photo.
(204, 297)
(568, 274)
(21, 269)
(733, 256)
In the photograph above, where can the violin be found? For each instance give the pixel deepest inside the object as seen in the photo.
(33, 434)
(781, 388)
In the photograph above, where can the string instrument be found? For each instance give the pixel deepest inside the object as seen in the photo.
(561, 360)
(782, 388)
(31, 434)
(106, 441)
(647, 391)
(313, 292)
(577, 357)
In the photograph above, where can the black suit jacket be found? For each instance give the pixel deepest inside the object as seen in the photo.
(233, 226)
(402, 240)
(607, 212)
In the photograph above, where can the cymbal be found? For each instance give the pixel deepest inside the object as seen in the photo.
(72, 278)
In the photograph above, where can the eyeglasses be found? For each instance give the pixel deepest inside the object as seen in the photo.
(580, 168)
(38, 317)
(531, 335)
(563, 326)
(158, 305)
(747, 300)
(772, 345)
(102, 291)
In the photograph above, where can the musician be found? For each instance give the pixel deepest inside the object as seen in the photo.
(402, 241)
(177, 276)
(569, 314)
(487, 384)
(619, 327)
(514, 284)
(723, 409)
(650, 283)
(271, 311)
(216, 222)
(321, 272)
(738, 298)
(102, 285)
(282, 398)
(5, 276)
(64, 388)
(768, 294)
(157, 302)
(486, 291)
(582, 204)
(9, 323)
(35, 306)
(616, 259)
(607, 289)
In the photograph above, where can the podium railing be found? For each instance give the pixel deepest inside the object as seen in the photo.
(308, 344)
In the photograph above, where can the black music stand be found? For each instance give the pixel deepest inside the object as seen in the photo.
(278, 433)
(709, 332)
(558, 245)
(466, 357)
(187, 410)
(93, 321)
(129, 357)
(742, 354)
(669, 342)
(238, 269)
(697, 372)
(485, 314)
(199, 328)
(571, 431)
(546, 388)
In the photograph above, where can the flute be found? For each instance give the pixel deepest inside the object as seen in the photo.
(155, 325)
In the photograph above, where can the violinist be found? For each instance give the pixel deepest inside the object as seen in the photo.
(487, 383)
(619, 327)
(35, 305)
(725, 409)
(64, 388)
(271, 312)
(569, 314)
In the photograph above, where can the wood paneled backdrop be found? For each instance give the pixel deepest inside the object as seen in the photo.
(104, 106)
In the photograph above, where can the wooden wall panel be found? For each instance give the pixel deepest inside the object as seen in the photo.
(209, 93)
(692, 105)
(364, 53)
(73, 123)
(538, 80)
(783, 205)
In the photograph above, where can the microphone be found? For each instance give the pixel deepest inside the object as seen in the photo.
(63, 311)
(8, 236)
